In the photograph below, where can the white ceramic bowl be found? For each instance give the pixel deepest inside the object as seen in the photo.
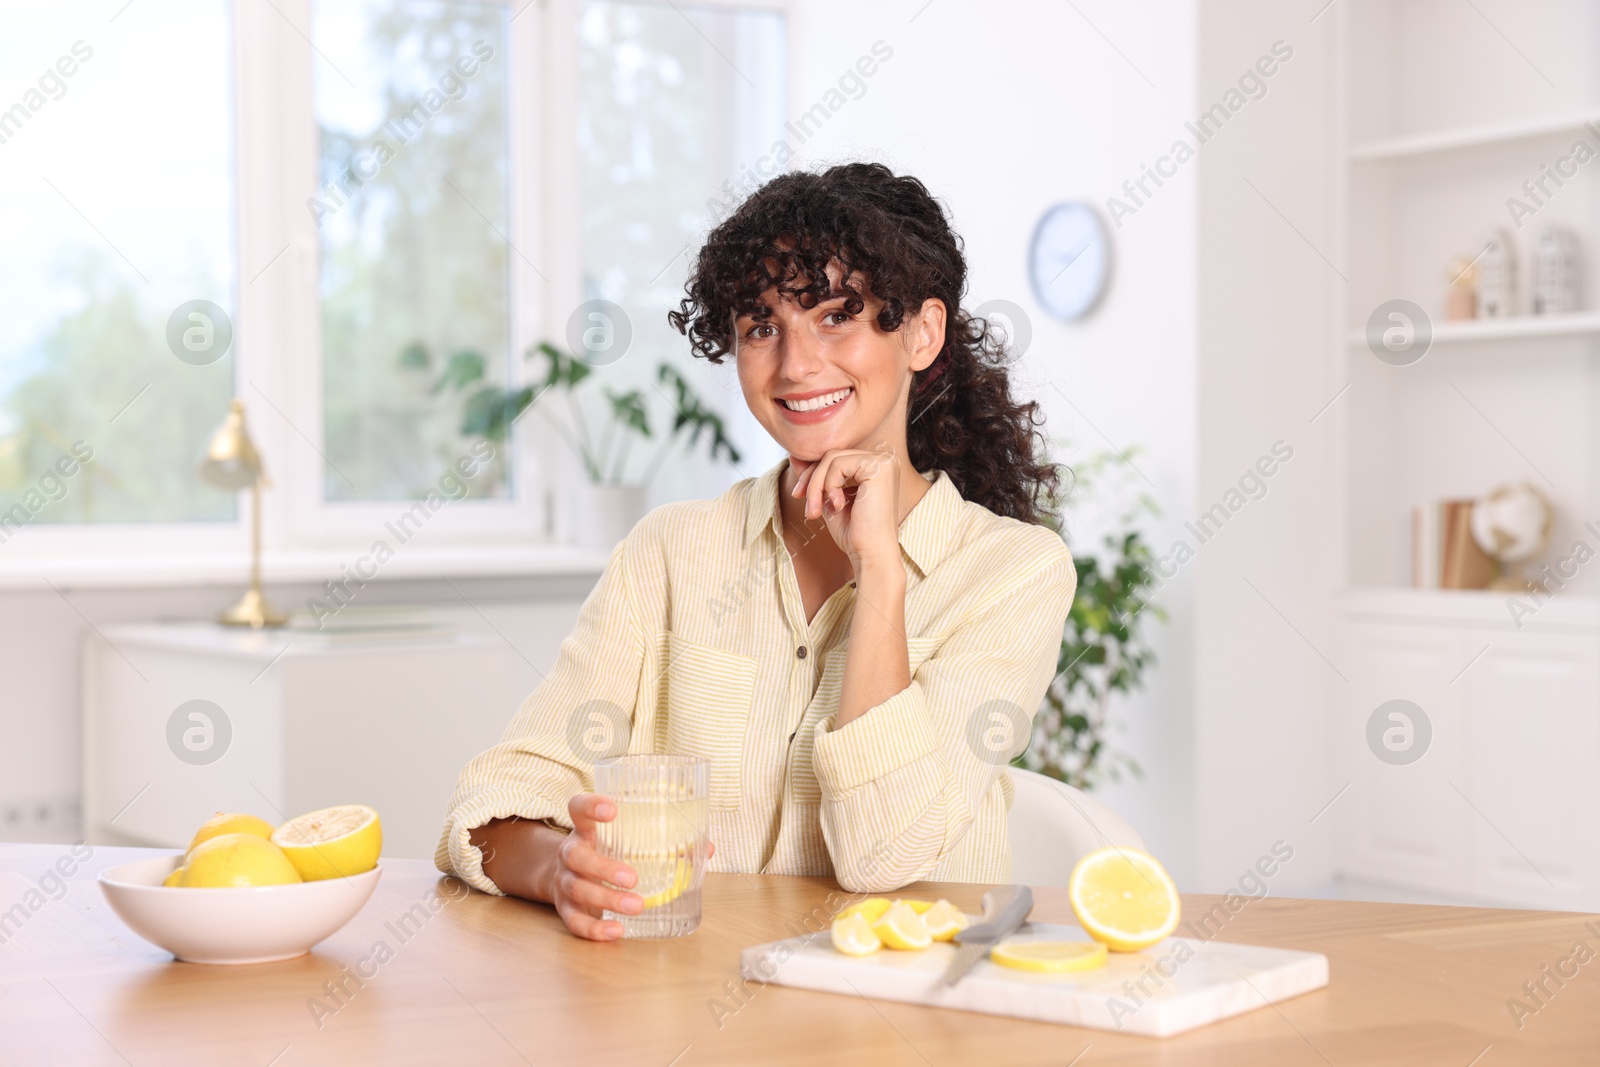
(255, 925)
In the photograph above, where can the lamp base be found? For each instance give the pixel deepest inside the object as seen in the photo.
(253, 611)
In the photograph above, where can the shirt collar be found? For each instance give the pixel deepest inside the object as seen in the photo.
(925, 534)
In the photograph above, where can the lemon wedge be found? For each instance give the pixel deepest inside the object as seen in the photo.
(853, 936)
(943, 920)
(332, 843)
(901, 927)
(873, 908)
(920, 906)
(1123, 897)
(1050, 957)
(235, 861)
(224, 822)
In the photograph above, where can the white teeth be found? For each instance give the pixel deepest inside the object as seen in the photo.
(817, 402)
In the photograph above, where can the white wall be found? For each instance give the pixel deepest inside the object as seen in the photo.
(1004, 110)
(1267, 317)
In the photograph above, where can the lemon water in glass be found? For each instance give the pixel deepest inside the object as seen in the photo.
(659, 831)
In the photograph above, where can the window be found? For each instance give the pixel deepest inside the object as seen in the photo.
(676, 105)
(117, 205)
(420, 191)
(412, 213)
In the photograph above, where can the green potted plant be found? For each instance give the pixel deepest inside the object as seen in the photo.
(611, 497)
(1103, 647)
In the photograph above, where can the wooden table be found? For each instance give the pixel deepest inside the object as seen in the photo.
(485, 980)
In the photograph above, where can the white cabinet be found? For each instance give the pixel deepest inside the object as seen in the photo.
(1503, 806)
(181, 721)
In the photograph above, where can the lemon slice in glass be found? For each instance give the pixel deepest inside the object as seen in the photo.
(854, 937)
(682, 875)
(901, 927)
(1049, 957)
(332, 843)
(1124, 898)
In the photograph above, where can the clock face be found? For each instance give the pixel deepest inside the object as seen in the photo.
(1069, 262)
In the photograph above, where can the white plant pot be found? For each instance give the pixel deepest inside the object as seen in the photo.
(602, 515)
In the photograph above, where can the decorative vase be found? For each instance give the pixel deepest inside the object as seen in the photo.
(602, 515)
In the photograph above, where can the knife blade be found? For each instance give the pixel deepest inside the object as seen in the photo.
(1004, 910)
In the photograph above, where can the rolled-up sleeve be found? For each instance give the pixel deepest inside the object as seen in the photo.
(573, 717)
(902, 783)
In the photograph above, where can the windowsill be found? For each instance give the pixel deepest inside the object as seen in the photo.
(144, 571)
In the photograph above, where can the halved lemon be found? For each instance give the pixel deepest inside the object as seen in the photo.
(873, 908)
(1124, 898)
(943, 920)
(854, 937)
(901, 927)
(332, 843)
(1049, 957)
(919, 906)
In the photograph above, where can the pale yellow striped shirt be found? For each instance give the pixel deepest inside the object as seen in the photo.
(695, 641)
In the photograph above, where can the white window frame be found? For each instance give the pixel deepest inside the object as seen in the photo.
(278, 358)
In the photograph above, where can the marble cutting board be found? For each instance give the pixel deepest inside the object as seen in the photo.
(1177, 985)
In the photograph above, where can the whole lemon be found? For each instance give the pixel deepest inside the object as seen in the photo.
(237, 860)
(227, 822)
(176, 877)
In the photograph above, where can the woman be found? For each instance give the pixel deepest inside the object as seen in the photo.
(857, 638)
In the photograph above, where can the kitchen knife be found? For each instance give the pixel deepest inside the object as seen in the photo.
(1004, 911)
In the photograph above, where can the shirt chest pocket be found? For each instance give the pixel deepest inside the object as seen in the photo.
(709, 695)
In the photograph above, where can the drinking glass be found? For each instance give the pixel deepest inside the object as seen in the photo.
(659, 831)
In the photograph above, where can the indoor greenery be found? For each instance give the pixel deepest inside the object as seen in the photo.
(489, 410)
(1103, 648)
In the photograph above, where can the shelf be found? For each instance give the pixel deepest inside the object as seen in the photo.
(1421, 144)
(1470, 607)
(1511, 328)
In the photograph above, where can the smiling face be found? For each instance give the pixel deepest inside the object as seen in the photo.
(822, 378)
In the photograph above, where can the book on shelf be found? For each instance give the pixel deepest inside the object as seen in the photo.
(1443, 552)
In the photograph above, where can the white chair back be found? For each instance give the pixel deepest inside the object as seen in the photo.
(1052, 826)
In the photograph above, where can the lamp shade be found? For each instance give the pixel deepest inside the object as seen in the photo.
(232, 461)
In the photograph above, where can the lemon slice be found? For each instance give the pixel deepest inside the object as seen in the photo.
(1050, 957)
(224, 822)
(901, 927)
(873, 908)
(920, 906)
(332, 843)
(1124, 898)
(682, 875)
(854, 937)
(943, 920)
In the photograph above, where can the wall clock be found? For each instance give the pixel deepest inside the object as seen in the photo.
(1069, 261)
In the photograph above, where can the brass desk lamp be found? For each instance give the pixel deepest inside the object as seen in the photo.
(232, 463)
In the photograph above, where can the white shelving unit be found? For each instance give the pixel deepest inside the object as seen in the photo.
(1512, 328)
(1443, 121)
(1419, 144)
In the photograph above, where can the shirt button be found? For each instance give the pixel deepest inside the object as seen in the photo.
(800, 653)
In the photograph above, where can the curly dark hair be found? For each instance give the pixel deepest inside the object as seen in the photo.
(891, 232)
